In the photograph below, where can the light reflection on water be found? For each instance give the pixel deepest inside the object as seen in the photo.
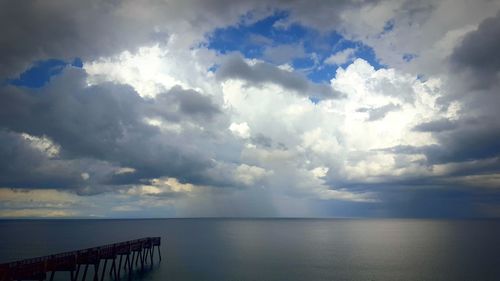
(281, 249)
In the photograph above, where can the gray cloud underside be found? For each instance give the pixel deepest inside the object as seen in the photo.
(470, 143)
(235, 67)
(186, 104)
(21, 165)
(436, 126)
(467, 141)
(106, 123)
(39, 30)
(378, 113)
(478, 53)
(474, 83)
(484, 145)
(475, 69)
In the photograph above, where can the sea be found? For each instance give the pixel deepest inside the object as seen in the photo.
(278, 249)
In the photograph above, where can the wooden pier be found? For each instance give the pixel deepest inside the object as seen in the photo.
(132, 253)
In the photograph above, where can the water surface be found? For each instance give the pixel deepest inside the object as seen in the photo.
(280, 249)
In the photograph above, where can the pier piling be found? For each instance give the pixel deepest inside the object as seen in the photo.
(38, 268)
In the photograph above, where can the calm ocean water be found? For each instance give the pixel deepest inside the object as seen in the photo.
(280, 249)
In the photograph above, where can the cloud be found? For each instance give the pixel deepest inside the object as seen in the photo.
(397, 85)
(251, 175)
(45, 30)
(284, 53)
(427, 29)
(235, 67)
(106, 122)
(241, 130)
(158, 124)
(468, 141)
(478, 51)
(341, 57)
(23, 164)
(178, 104)
(105, 28)
(333, 134)
(37, 213)
(378, 113)
(322, 14)
(102, 28)
(262, 140)
(477, 46)
(472, 87)
(436, 126)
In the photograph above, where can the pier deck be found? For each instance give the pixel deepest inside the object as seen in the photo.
(133, 253)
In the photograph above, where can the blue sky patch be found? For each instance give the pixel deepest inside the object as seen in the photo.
(251, 40)
(307, 48)
(40, 73)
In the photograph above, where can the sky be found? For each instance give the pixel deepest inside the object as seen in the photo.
(218, 108)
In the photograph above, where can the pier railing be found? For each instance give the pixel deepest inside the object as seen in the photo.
(133, 253)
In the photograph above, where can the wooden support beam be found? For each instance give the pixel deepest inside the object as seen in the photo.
(37, 268)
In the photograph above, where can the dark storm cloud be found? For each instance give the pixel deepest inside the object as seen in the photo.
(479, 53)
(38, 30)
(435, 126)
(377, 113)
(474, 71)
(35, 30)
(474, 136)
(87, 121)
(472, 140)
(178, 103)
(468, 145)
(106, 123)
(469, 142)
(22, 165)
(235, 67)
